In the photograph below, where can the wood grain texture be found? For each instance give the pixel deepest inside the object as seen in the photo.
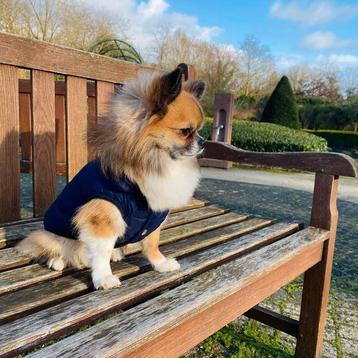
(105, 91)
(317, 280)
(54, 320)
(10, 235)
(43, 140)
(33, 54)
(25, 276)
(48, 292)
(198, 308)
(76, 113)
(25, 126)
(9, 258)
(60, 129)
(9, 144)
(194, 203)
(327, 163)
(184, 217)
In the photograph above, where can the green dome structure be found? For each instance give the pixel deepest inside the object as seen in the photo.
(116, 48)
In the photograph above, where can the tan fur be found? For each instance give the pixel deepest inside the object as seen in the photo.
(100, 218)
(150, 246)
(44, 245)
(131, 140)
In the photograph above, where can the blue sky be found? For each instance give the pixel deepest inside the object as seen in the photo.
(296, 31)
(320, 29)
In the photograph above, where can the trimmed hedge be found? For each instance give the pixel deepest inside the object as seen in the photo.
(268, 137)
(329, 116)
(281, 108)
(337, 138)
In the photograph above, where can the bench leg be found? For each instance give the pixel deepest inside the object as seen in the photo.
(317, 279)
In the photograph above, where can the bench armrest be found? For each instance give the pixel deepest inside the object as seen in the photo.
(327, 163)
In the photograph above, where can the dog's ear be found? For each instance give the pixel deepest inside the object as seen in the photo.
(166, 89)
(196, 88)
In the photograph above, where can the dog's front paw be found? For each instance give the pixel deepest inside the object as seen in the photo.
(106, 282)
(166, 265)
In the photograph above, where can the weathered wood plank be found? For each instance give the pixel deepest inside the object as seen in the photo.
(10, 235)
(47, 292)
(194, 203)
(10, 258)
(198, 308)
(43, 140)
(76, 111)
(9, 144)
(60, 129)
(317, 280)
(327, 163)
(105, 91)
(28, 53)
(184, 217)
(51, 322)
(25, 276)
(25, 125)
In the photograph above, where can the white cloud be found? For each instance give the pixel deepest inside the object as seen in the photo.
(324, 40)
(342, 59)
(309, 13)
(284, 61)
(148, 18)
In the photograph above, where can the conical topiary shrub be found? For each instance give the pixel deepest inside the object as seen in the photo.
(281, 107)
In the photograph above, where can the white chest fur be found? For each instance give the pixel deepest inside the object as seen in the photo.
(173, 189)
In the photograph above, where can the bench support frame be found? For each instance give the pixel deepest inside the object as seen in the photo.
(317, 279)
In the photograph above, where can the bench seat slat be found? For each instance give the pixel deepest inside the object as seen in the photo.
(187, 216)
(195, 203)
(132, 332)
(10, 259)
(54, 320)
(11, 234)
(44, 293)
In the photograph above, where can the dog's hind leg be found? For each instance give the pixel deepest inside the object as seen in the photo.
(58, 252)
(99, 224)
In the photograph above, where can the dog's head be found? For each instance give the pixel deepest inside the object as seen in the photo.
(154, 118)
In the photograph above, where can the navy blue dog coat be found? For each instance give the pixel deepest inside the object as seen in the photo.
(91, 183)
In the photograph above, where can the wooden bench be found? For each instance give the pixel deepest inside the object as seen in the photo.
(229, 262)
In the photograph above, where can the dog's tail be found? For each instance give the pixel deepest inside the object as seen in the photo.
(44, 245)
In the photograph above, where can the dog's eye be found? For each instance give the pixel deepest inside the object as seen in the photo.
(185, 131)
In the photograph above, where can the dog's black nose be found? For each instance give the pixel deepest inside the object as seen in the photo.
(201, 141)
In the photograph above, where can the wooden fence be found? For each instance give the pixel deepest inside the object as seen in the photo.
(49, 118)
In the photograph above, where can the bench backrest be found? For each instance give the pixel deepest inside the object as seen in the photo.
(35, 112)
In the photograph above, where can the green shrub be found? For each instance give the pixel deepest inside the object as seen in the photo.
(328, 116)
(338, 138)
(281, 108)
(268, 137)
